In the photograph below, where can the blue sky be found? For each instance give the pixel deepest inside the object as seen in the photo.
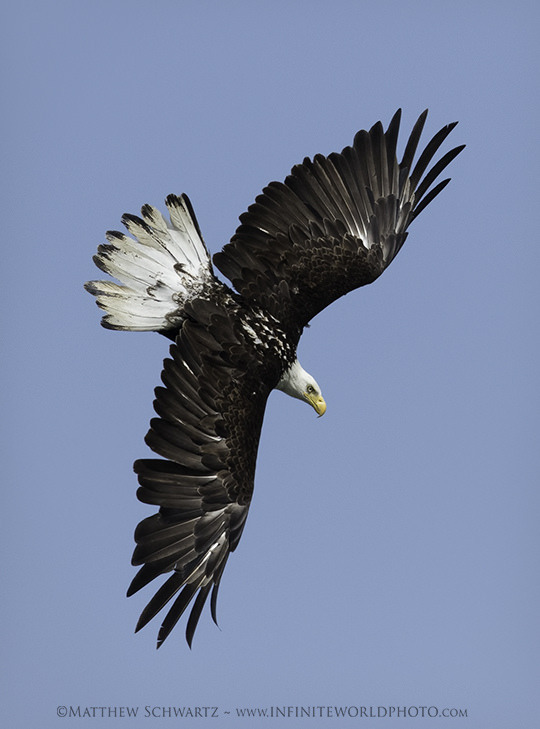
(391, 552)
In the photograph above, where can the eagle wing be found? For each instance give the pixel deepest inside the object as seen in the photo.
(210, 416)
(335, 223)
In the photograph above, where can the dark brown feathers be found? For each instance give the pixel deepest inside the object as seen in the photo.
(210, 416)
(336, 222)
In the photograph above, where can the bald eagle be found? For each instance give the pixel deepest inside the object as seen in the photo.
(332, 226)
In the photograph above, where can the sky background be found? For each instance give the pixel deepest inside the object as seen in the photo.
(391, 553)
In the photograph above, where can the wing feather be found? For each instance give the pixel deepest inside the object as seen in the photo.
(293, 237)
(210, 415)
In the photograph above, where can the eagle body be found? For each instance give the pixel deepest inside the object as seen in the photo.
(332, 226)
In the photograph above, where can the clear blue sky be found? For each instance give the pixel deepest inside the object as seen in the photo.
(391, 553)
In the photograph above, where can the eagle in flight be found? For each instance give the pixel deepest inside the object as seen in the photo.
(333, 225)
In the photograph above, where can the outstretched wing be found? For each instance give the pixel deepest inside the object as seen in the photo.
(335, 223)
(210, 416)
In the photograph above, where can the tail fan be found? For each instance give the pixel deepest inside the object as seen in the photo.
(161, 267)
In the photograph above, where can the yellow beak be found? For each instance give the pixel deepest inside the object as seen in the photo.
(317, 403)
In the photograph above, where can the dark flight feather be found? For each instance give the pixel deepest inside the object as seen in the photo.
(365, 189)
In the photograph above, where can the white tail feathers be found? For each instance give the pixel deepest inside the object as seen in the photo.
(159, 269)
